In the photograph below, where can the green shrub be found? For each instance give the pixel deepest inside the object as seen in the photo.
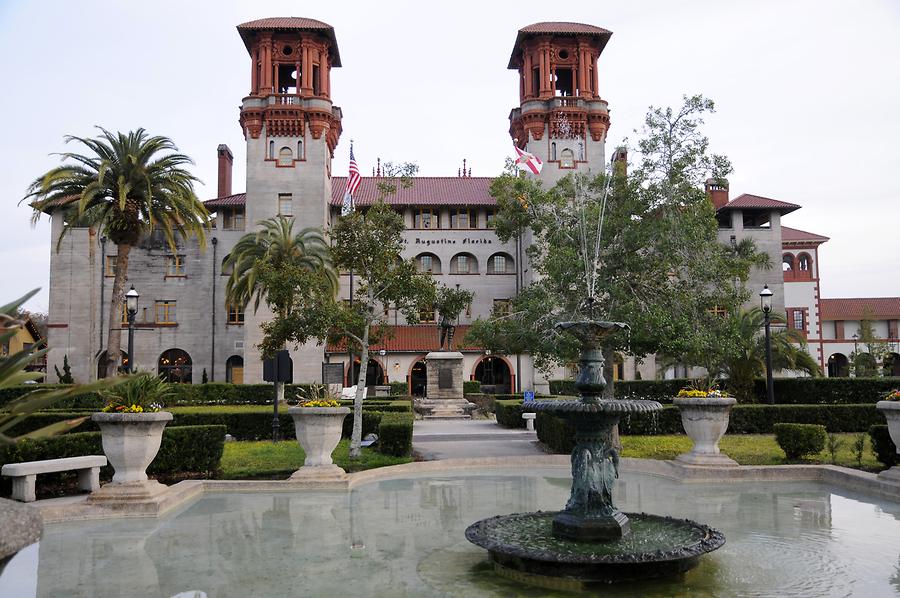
(471, 387)
(557, 435)
(399, 389)
(187, 449)
(798, 440)
(509, 413)
(788, 391)
(883, 446)
(395, 432)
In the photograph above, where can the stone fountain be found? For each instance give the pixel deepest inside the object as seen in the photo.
(591, 541)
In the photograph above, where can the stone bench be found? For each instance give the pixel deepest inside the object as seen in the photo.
(529, 421)
(24, 474)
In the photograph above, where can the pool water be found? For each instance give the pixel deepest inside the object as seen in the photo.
(405, 537)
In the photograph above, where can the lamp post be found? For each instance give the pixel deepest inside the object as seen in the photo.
(765, 301)
(131, 307)
(855, 354)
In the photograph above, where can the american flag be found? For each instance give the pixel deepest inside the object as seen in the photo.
(353, 181)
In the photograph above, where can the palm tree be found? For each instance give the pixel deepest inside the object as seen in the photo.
(747, 359)
(276, 247)
(126, 186)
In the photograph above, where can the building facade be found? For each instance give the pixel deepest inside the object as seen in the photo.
(186, 330)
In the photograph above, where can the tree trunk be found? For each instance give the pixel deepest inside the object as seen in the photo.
(114, 334)
(356, 436)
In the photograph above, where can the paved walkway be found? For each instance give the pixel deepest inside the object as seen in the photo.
(470, 438)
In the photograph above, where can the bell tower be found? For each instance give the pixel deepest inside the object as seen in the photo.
(561, 118)
(291, 128)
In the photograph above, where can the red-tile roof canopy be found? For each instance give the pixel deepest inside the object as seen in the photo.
(794, 235)
(556, 28)
(444, 191)
(880, 308)
(755, 202)
(420, 338)
(238, 199)
(291, 24)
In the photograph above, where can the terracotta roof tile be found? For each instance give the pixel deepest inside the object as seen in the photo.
(458, 191)
(859, 307)
(556, 28)
(789, 234)
(291, 24)
(420, 338)
(762, 203)
(238, 199)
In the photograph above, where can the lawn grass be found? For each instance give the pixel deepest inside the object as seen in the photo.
(264, 459)
(746, 449)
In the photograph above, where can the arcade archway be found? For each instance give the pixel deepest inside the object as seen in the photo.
(418, 378)
(838, 366)
(494, 374)
(375, 375)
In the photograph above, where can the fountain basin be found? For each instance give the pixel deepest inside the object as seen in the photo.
(524, 543)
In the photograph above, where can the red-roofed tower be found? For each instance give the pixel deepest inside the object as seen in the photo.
(561, 117)
(291, 128)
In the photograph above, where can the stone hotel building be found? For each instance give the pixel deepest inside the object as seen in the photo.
(291, 127)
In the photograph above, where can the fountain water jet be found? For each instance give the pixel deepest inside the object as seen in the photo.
(590, 541)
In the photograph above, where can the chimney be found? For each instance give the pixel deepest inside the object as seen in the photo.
(620, 161)
(226, 161)
(717, 191)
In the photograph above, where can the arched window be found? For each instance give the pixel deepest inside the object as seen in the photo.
(300, 150)
(227, 268)
(271, 150)
(101, 364)
(428, 262)
(581, 151)
(463, 263)
(567, 159)
(234, 370)
(285, 156)
(501, 263)
(175, 366)
(553, 151)
(804, 262)
(787, 262)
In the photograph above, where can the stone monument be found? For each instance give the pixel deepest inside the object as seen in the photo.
(444, 373)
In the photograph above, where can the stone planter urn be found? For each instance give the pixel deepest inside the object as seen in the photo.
(318, 431)
(705, 421)
(891, 412)
(130, 443)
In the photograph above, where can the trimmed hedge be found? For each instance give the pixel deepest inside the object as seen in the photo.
(883, 446)
(471, 387)
(194, 449)
(509, 413)
(799, 440)
(745, 419)
(395, 432)
(400, 389)
(788, 391)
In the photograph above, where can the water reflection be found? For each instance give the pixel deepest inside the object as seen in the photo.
(405, 537)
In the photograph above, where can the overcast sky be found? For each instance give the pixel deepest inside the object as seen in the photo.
(807, 96)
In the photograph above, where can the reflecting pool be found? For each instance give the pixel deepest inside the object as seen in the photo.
(404, 537)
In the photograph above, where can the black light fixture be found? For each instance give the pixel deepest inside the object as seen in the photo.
(131, 308)
(765, 302)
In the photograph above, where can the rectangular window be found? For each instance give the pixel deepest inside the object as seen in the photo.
(502, 307)
(165, 311)
(718, 311)
(235, 314)
(109, 269)
(797, 320)
(426, 218)
(491, 217)
(426, 315)
(285, 205)
(233, 220)
(462, 264)
(426, 264)
(497, 264)
(174, 265)
(463, 218)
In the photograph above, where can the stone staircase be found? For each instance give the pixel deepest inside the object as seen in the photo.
(444, 408)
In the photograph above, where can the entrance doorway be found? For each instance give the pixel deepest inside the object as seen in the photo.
(418, 379)
(494, 375)
(374, 373)
(838, 366)
(234, 370)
